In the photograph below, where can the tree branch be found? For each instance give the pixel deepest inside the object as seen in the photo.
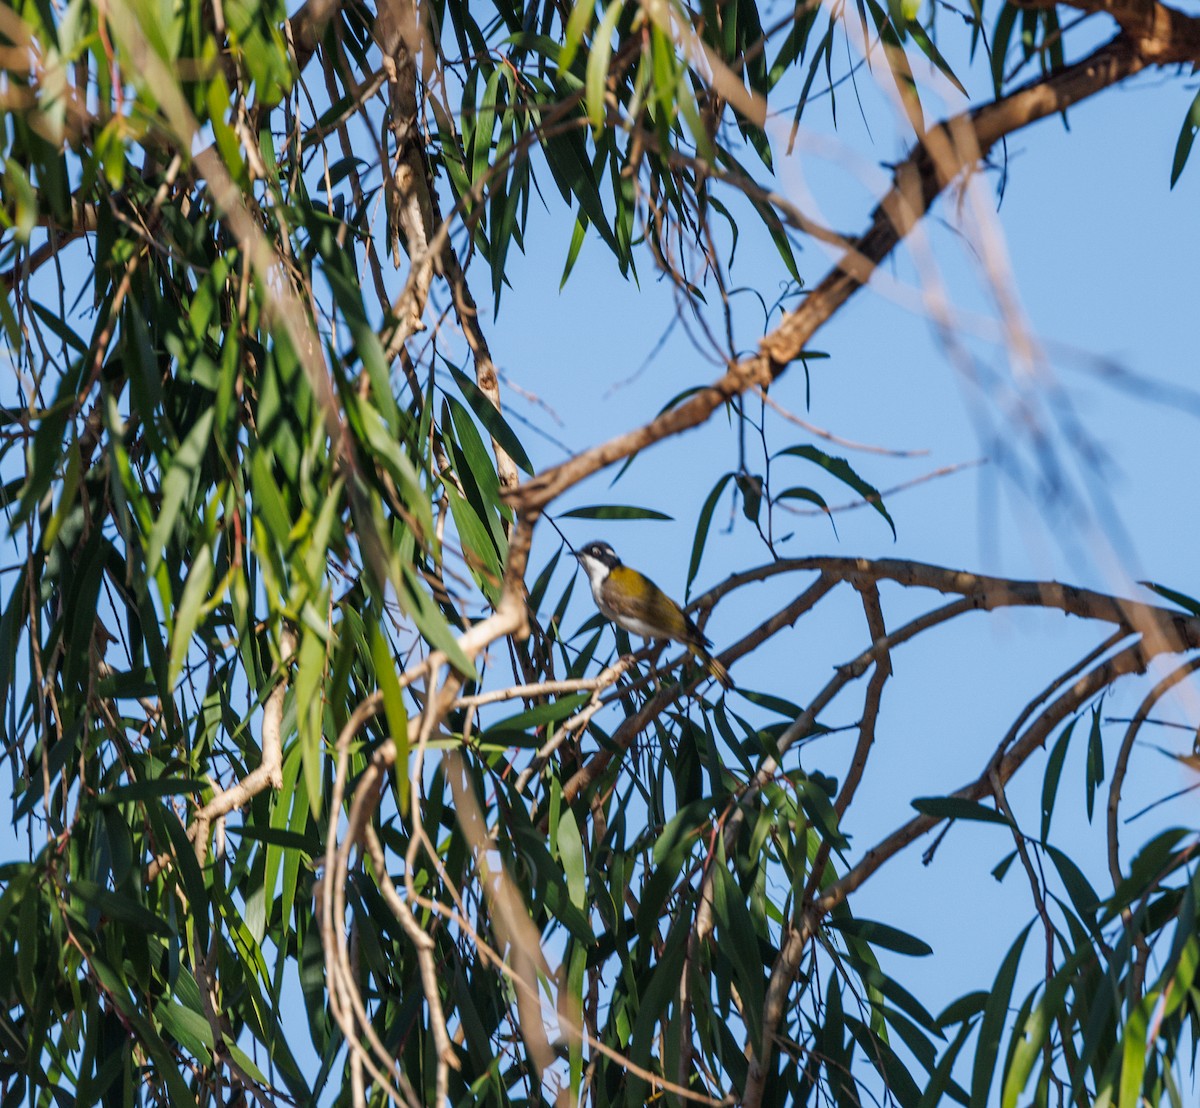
(945, 152)
(1133, 659)
(1160, 35)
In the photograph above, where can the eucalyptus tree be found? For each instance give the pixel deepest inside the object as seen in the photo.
(328, 793)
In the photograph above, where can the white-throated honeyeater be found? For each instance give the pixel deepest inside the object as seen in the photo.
(634, 602)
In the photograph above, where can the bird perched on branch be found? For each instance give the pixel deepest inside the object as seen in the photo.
(637, 604)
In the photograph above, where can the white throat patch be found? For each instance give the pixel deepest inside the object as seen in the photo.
(596, 570)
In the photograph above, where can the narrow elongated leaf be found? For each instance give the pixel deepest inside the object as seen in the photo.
(884, 935)
(176, 487)
(930, 50)
(1187, 136)
(569, 845)
(956, 807)
(550, 712)
(393, 708)
(1095, 762)
(614, 511)
(1053, 773)
(487, 414)
(119, 906)
(702, 526)
(1187, 603)
(995, 1019)
(842, 470)
(187, 615)
(597, 63)
(151, 789)
(1006, 21)
(577, 26)
(941, 1078)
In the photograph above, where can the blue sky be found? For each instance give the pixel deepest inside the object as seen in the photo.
(1103, 257)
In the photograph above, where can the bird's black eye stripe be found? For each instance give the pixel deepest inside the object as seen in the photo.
(601, 552)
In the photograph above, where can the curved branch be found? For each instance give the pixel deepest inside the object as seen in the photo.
(1161, 35)
(945, 152)
(1118, 778)
(985, 593)
(866, 729)
(1133, 659)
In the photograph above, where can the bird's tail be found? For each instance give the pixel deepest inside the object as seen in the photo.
(714, 667)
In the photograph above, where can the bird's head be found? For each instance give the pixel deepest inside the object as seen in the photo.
(597, 559)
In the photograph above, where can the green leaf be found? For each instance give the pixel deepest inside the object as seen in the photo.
(1030, 1037)
(702, 526)
(884, 935)
(12, 329)
(1001, 35)
(963, 1009)
(1187, 135)
(577, 26)
(750, 485)
(842, 470)
(942, 1077)
(190, 1029)
(1083, 896)
(393, 708)
(177, 486)
(549, 712)
(1133, 1052)
(47, 453)
(268, 498)
(569, 845)
(487, 414)
(1001, 868)
(897, 1079)
(24, 199)
(995, 1018)
(310, 672)
(898, 65)
(736, 928)
(596, 73)
(679, 833)
(431, 623)
(1053, 772)
(1184, 601)
(119, 907)
(279, 836)
(485, 121)
(614, 511)
(1095, 762)
(656, 993)
(957, 807)
(474, 452)
(189, 611)
(245, 1062)
(578, 234)
(922, 39)
(538, 591)
(812, 497)
(347, 294)
(56, 324)
(151, 789)
(818, 808)
(477, 546)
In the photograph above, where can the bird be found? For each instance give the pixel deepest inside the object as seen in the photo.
(634, 602)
